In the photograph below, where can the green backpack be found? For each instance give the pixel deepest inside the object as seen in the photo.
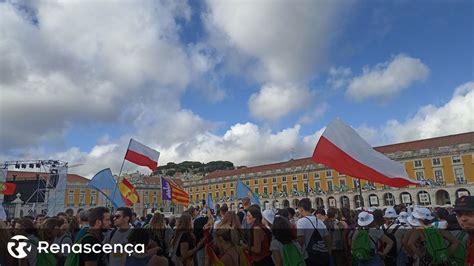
(457, 258)
(291, 256)
(436, 246)
(361, 250)
(44, 259)
(72, 258)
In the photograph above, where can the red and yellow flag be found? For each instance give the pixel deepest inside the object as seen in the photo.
(7, 188)
(129, 193)
(178, 194)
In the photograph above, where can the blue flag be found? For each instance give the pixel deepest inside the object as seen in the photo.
(244, 191)
(209, 202)
(105, 183)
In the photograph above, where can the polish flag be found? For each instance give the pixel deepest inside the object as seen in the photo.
(140, 154)
(342, 149)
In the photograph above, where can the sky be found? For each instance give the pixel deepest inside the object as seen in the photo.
(244, 81)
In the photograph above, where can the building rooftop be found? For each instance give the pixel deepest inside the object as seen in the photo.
(26, 175)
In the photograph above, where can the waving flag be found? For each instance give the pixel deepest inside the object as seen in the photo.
(7, 188)
(129, 193)
(140, 154)
(171, 191)
(209, 201)
(342, 149)
(105, 183)
(244, 191)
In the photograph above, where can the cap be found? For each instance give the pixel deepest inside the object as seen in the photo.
(422, 214)
(268, 215)
(365, 219)
(464, 203)
(413, 221)
(390, 213)
(402, 217)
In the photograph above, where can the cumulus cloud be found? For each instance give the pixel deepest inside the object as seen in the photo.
(277, 42)
(432, 121)
(68, 63)
(387, 79)
(316, 113)
(274, 102)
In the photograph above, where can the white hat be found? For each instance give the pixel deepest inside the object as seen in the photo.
(371, 209)
(268, 215)
(413, 221)
(422, 214)
(390, 213)
(402, 217)
(365, 219)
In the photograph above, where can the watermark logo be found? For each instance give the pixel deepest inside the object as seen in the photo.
(19, 246)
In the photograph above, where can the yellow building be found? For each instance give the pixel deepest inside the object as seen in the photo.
(446, 162)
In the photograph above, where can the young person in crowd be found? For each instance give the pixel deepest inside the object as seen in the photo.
(260, 238)
(99, 220)
(464, 208)
(119, 234)
(283, 238)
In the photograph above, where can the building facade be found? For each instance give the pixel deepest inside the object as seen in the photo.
(446, 163)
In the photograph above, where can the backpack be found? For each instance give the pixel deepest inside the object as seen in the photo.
(361, 250)
(291, 255)
(316, 247)
(337, 236)
(72, 258)
(457, 258)
(44, 258)
(436, 246)
(393, 253)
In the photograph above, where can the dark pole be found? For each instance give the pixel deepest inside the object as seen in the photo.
(360, 194)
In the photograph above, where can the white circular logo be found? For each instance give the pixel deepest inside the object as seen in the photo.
(19, 246)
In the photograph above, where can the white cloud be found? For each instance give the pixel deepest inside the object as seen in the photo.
(274, 101)
(388, 78)
(317, 112)
(339, 77)
(456, 116)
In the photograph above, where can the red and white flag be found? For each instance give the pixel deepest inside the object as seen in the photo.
(140, 154)
(342, 149)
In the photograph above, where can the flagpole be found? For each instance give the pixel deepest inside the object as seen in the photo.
(360, 194)
(121, 168)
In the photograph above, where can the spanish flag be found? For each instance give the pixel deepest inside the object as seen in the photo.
(178, 194)
(129, 193)
(7, 188)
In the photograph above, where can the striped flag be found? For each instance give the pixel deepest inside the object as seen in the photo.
(342, 149)
(140, 154)
(178, 194)
(129, 193)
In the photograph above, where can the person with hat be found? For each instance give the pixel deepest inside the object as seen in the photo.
(366, 222)
(268, 217)
(390, 228)
(416, 244)
(464, 208)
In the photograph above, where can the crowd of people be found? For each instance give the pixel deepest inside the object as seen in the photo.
(397, 235)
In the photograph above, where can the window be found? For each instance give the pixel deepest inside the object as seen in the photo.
(356, 183)
(204, 196)
(255, 190)
(456, 159)
(317, 185)
(191, 190)
(264, 180)
(436, 161)
(419, 175)
(438, 173)
(217, 194)
(81, 198)
(330, 186)
(459, 175)
(306, 189)
(294, 178)
(305, 176)
(217, 186)
(223, 185)
(255, 182)
(274, 189)
(265, 191)
(210, 187)
(328, 173)
(284, 179)
(232, 192)
(284, 188)
(197, 197)
(295, 187)
(342, 182)
(225, 194)
(231, 184)
(247, 183)
(93, 198)
(418, 163)
(316, 175)
(274, 180)
(71, 198)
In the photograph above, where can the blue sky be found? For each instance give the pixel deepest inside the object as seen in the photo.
(247, 82)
